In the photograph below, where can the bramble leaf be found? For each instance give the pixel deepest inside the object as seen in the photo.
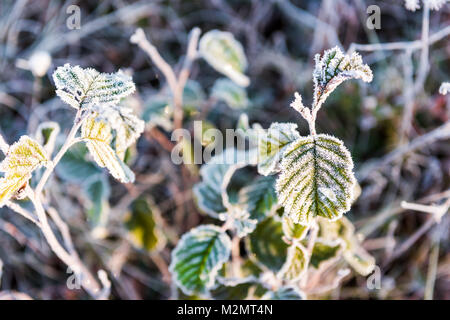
(97, 190)
(143, 226)
(23, 157)
(198, 257)
(225, 54)
(98, 136)
(293, 230)
(332, 69)
(229, 92)
(325, 250)
(272, 145)
(80, 87)
(259, 197)
(266, 244)
(46, 134)
(296, 263)
(316, 179)
(285, 293)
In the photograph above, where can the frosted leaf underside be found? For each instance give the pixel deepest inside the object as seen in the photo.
(198, 257)
(316, 179)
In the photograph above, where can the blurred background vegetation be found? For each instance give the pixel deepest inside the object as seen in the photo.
(129, 230)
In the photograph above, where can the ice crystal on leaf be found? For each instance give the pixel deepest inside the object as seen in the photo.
(22, 159)
(80, 87)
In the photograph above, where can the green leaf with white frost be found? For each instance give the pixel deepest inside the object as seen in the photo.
(259, 197)
(285, 293)
(316, 179)
(225, 54)
(74, 166)
(355, 255)
(332, 69)
(267, 246)
(197, 258)
(243, 224)
(97, 190)
(46, 134)
(324, 251)
(80, 87)
(293, 230)
(23, 157)
(98, 136)
(216, 175)
(158, 112)
(296, 263)
(143, 225)
(193, 96)
(229, 92)
(272, 144)
(128, 127)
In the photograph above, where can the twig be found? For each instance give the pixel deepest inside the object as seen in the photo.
(23, 212)
(432, 271)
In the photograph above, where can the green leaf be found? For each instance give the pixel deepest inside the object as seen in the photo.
(355, 255)
(332, 69)
(142, 223)
(229, 92)
(267, 246)
(46, 134)
(74, 167)
(97, 191)
(128, 127)
(259, 197)
(98, 136)
(80, 87)
(157, 112)
(316, 179)
(193, 95)
(296, 263)
(225, 54)
(285, 293)
(197, 258)
(238, 289)
(293, 230)
(272, 145)
(243, 224)
(325, 250)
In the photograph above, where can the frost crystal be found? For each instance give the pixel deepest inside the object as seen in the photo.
(444, 88)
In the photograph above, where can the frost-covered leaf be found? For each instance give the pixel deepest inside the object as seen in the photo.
(128, 127)
(293, 230)
(158, 112)
(216, 175)
(229, 92)
(332, 69)
(97, 134)
(197, 258)
(22, 158)
(285, 293)
(97, 190)
(325, 250)
(296, 263)
(316, 179)
(225, 54)
(272, 144)
(74, 165)
(355, 255)
(243, 224)
(267, 246)
(80, 87)
(193, 96)
(46, 134)
(444, 88)
(238, 289)
(259, 197)
(142, 223)
(10, 185)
